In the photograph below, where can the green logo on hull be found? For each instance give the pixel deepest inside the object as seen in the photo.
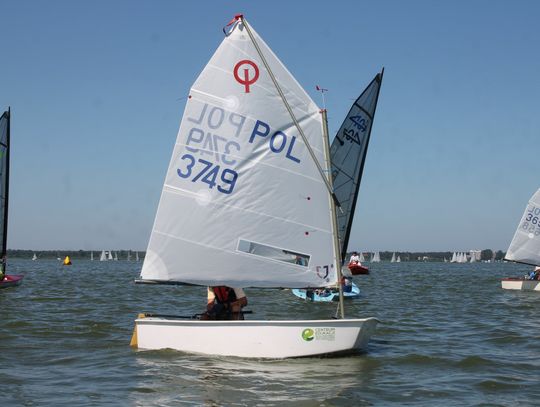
(308, 334)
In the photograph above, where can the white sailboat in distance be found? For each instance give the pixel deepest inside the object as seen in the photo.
(269, 179)
(525, 246)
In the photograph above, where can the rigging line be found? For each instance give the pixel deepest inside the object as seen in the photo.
(291, 113)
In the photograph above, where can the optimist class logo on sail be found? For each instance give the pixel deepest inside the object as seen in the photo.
(246, 80)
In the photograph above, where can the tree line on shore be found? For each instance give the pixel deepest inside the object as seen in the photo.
(485, 254)
(74, 254)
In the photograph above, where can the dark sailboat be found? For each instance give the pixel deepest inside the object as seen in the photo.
(348, 155)
(6, 280)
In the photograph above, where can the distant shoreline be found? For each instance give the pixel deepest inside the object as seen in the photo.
(74, 254)
(485, 255)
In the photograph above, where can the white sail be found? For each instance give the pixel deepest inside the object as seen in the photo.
(398, 259)
(454, 258)
(109, 255)
(241, 178)
(136, 256)
(393, 260)
(116, 256)
(362, 259)
(91, 256)
(34, 257)
(525, 245)
(103, 256)
(376, 258)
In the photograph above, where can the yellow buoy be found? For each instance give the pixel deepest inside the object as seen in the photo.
(67, 261)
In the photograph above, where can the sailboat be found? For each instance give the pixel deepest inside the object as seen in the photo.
(34, 257)
(347, 157)
(6, 280)
(109, 255)
(103, 256)
(393, 259)
(376, 258)
(136, 256)
(116, 256)
(398, 260)
(260, 202)
(91, 256)
(525, 246)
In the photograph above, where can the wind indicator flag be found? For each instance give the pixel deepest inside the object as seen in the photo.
(322, 90)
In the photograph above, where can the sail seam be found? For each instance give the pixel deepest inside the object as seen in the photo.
(190, 194)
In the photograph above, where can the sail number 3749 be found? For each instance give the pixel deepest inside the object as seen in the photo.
(199, 170)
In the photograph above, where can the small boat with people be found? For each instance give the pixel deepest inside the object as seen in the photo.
(350, 291)
(525, 248)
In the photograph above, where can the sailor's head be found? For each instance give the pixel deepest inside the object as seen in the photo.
(355, 253)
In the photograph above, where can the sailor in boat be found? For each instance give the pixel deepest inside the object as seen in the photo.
(225, 303)
(355, 259)
(346, 283)
(535, 274)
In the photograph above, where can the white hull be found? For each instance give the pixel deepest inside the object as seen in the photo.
(255, 339)
(520, 284)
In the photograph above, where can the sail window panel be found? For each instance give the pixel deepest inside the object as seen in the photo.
(273, 253)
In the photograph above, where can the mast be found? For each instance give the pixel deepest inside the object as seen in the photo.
(333, 214)
(6, 196)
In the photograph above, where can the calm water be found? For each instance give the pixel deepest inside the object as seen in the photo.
(449, 336)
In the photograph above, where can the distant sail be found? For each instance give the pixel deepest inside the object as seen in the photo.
(525, 246)
(348, 155)
(4, 183)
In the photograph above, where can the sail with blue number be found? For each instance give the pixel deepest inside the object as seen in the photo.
(348, 156)
(243, 203)
(525, 245)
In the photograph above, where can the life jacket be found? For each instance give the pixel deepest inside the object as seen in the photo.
(224, 295)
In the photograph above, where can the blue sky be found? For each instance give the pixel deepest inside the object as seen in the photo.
(97, 90)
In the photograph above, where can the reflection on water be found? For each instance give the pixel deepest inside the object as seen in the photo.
(230, 381)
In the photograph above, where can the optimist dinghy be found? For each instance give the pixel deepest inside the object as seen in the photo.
(247, 191)
(525, 246)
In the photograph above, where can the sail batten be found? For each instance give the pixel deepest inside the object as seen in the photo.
(525, 245)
